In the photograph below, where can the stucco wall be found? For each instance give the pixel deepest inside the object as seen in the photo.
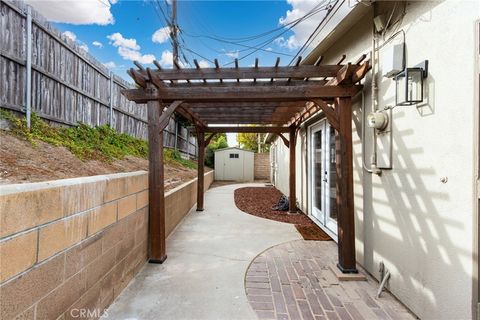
(68, 246)
(421, 228)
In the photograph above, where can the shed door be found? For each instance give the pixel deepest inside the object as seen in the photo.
(233, 165)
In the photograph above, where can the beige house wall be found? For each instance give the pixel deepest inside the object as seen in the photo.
(420, 228)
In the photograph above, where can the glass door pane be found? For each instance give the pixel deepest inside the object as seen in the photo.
(332, 180)
(318, 170)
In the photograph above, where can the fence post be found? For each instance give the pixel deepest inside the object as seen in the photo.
(28, 89)
(176, 136)
(188, 143)
(111, 100)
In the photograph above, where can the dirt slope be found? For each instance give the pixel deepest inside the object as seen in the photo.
(21, 162)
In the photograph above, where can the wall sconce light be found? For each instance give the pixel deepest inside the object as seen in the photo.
(409, 85)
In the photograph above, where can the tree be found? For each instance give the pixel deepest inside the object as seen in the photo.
(250, 141)
(219, 141)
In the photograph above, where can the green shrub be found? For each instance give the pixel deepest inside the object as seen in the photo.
(171, 156)
(87, 143)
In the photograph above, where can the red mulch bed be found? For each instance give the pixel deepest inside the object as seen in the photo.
(258, 201)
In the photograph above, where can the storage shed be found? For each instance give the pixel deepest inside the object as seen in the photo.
(234, 164)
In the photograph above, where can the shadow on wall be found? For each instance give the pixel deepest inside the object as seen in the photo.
(400, 210)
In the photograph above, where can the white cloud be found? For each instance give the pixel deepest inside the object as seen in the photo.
(166, 59)
(74, 11)
(203, 64)
(70, 35)
(161, 35)
(301, 31)
(110, 65)
(269, 49)
(232, 54)
(128, 49)
(73, 37)
(97, 44)
(135, 55)
(83, 46)
(117, 40)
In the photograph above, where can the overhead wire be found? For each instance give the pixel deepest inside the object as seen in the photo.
(322, 6)
(308, 15)
(310, 38)
(313, 11)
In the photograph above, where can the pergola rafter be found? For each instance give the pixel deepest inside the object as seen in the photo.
(275, 99)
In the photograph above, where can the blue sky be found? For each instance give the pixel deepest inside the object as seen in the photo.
(139, 20)
(116, 32)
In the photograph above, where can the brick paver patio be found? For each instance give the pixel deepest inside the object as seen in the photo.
(294, 281)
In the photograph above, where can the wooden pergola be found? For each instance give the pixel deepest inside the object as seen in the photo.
(275, 99)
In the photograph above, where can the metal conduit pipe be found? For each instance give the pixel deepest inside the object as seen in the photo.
(383, 283)
(373, 159)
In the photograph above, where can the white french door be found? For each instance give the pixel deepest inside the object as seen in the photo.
(323, 205)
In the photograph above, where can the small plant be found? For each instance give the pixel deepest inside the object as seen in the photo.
(88, 143)
(171, 155)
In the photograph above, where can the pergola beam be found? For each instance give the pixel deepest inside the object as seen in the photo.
(247, 129)
(233, 84)
(249, 121)
(250, 93)
(232, 105)
(250, 73)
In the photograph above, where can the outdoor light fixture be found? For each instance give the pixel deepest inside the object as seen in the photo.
(409, 85)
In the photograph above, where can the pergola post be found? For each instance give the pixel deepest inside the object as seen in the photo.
(344, 186)
(292, 199)
(201, 168)
(156, 191)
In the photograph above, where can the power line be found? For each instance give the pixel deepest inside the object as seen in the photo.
(313, 33)
(196, 53)
(260, 47)
(308, 15)
(238, 40)
(242, 45)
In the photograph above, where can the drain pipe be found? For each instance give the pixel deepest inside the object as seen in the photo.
(373, 159)
(384, 275)
(383, 283)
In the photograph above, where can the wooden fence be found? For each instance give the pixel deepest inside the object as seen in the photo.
(68, 85)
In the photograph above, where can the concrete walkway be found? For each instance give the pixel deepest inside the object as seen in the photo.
(208, 255)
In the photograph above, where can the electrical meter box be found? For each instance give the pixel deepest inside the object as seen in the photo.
(393, 61)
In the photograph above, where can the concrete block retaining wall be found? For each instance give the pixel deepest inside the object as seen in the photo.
(73, 245)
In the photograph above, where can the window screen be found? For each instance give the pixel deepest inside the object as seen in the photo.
(233, 155)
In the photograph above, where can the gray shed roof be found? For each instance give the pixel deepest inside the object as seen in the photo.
(230, 148)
